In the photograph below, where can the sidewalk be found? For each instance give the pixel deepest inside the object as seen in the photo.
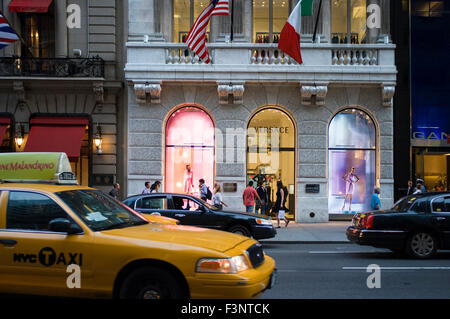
(331, 232)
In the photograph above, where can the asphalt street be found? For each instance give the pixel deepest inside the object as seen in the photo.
(339, 271)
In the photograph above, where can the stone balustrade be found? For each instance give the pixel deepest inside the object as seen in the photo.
(370, 63)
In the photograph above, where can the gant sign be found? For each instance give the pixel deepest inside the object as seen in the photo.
(430, 139)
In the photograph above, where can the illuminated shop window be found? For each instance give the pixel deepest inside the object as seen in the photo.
(189, 151)
(352, 158)
(348, 21)
(271, 140)
(185, 13)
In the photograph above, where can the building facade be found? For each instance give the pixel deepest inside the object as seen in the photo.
(323, 128)
(61, 87)
(422, 119)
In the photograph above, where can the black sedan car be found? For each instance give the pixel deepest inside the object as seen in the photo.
(417, 225)
(193, 211)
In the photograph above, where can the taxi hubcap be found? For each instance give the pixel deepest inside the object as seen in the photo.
(422, 244)
(150, 293)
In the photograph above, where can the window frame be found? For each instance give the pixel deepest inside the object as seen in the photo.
(164, 197)
(443, 197)
(15, 230)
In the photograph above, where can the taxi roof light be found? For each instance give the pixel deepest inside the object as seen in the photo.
(36, 168)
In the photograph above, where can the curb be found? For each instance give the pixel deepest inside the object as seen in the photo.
(305, 242)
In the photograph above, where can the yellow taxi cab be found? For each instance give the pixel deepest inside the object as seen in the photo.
(61, 239)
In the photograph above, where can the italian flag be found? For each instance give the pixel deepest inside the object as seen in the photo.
(289, 41)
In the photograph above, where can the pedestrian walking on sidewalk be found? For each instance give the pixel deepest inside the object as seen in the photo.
(375, 202)
(217, 199)
(155, 187)
(262, 193)
(279, 207)
(115, 191)
(146, 189)
(248, 197)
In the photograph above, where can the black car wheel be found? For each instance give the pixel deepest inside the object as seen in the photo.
(151, 283)
(240, 230)
(421, 245)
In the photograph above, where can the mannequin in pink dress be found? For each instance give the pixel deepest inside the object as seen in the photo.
(188, 180)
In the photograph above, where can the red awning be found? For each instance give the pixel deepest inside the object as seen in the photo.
(30, 6)
(57, 134)
(5, 122)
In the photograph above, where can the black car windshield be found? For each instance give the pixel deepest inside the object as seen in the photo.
(404, 204)
(99, 211)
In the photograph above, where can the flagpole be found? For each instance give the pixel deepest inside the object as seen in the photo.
(18, 35)
(317, 22)
(232, 20)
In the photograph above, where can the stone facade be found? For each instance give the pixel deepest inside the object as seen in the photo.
(98, 97)
(146, 136)
(238, 83)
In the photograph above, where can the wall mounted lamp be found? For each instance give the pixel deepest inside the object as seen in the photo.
(19, 136)
(98, 140)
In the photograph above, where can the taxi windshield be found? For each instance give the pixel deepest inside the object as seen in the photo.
(98, 211)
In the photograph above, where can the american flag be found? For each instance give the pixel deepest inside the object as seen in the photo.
(196, 39)
(7, 34)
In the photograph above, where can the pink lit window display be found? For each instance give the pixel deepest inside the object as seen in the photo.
(189, 142)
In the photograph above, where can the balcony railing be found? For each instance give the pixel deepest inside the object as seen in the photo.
(57, 67)
(327, 62)
(267, 54)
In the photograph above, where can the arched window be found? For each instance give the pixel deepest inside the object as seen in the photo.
(271, 140)
(351, 161)
(189, 150)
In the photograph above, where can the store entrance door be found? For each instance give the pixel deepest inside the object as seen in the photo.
(271, 140)
(433, 166)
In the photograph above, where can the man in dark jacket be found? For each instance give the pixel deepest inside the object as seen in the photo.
(262, 193)
(115, 191)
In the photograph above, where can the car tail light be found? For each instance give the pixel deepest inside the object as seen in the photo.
(367, 222)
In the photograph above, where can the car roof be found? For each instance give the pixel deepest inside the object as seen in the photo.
(48, 187)
(429, 194)
(159, 194)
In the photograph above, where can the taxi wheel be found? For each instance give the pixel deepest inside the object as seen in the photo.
(151, 283)
(421, 245)
(240, 230)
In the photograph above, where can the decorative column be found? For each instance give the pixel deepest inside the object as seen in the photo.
(61, 29)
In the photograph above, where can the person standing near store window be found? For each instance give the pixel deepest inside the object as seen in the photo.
(262, 193)
(115, 191)
(422, 187)
(217, 199)
(203, 189)
(411, 188)
(375, 202)
(279, 205)
(155, 187)
(146, 189)
(248, 197)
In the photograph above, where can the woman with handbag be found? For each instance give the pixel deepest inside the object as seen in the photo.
(217, 197)
(279, 207)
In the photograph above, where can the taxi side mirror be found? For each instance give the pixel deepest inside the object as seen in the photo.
(63, 225)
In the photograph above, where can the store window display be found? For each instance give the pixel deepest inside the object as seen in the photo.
(189, 150)
(352, 161)
(271, 140)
